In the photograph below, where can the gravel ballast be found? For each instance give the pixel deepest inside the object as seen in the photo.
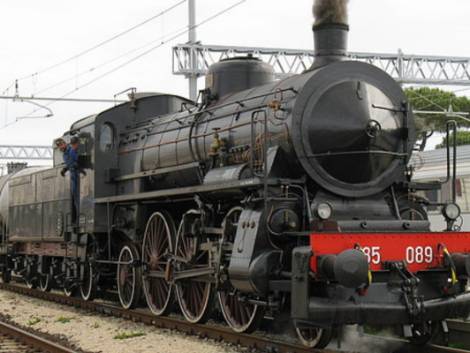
(95, 333)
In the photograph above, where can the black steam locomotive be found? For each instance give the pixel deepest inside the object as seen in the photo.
(288, 199)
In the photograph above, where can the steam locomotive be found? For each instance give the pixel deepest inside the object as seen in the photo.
(288, 199)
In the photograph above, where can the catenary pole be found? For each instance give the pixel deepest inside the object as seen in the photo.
(192, 38)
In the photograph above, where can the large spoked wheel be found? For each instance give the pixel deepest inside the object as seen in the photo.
(156, 247)
(239, 314)
(88, 285)
(314, 337)
(129, 277)
(195, 295)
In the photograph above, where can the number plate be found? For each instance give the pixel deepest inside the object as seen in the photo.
(419, 250)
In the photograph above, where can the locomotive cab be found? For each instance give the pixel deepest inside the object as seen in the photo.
(118, 150)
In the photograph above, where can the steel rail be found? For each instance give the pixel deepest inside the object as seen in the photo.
(215, 332)
(440, 349)
(406, 347)
(9, 344)
(32, 340)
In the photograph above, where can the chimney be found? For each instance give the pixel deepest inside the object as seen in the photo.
(331, 43)
(330, 31)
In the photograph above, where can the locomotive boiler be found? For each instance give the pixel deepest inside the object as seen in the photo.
(289, 199)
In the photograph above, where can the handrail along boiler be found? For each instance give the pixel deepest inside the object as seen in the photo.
(290, 199)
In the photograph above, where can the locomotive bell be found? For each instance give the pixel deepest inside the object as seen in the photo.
(351, 269)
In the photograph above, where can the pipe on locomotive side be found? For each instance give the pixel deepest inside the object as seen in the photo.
(177, 144)
(172, 144)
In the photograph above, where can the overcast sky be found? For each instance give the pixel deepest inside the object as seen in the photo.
(36, 34)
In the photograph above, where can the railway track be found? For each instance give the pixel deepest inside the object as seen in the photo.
(215, 332)
(17, 340)
(405, 347)
(439, 349)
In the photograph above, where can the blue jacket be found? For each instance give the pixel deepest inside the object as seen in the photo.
(71, 160)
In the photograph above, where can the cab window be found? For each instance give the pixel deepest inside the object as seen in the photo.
(106, 137)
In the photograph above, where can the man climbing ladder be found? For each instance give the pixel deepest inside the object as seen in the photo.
(70, 155)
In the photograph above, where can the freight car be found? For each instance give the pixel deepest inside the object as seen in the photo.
(289, 199)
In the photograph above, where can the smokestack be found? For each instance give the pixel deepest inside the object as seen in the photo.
(330, 31)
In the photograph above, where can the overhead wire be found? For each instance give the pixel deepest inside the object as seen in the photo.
(210, 18)
(102, 43)
(5, 91)
(444, 110)
(146, 52)
(438, 94)
(105, 63)
(429, 100)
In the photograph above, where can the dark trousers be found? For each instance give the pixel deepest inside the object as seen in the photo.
(75, 196)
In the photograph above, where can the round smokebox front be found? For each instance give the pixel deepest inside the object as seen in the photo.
(351, 133)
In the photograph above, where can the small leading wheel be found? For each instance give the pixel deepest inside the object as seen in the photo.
(240, 315)
(71, 273)
(69, 291)
(88, 285)
(31, 282)
(410, 210)
(45, 279)
(314, 337)
(31, 275)
(156, 247)
(195, 295)
(45, 283)
(129, 277)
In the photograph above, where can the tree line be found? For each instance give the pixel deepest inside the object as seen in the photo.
(437, 100)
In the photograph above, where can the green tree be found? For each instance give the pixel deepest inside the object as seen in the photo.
(463, 138)
(434, 99)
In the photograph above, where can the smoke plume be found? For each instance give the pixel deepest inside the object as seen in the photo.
(330, 11)
(355, 340)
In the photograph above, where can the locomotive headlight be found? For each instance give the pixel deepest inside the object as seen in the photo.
(451, 211)
(324, 211)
